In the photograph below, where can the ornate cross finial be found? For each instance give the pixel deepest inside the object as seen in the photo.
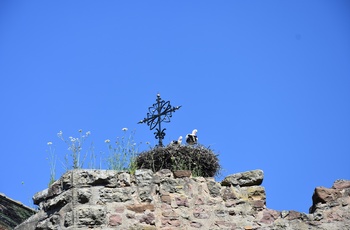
(159, 112)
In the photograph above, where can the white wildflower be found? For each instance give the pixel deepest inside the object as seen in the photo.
(80, 130)
(59, 134)
(124, 129)
(87, 133)
(107, 141)
(49, 143)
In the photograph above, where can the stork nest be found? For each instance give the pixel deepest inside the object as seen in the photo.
(200, 160)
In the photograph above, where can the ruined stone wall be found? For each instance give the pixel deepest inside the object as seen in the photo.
(104, 199)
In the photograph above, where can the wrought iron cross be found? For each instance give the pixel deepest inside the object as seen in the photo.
(159, 112)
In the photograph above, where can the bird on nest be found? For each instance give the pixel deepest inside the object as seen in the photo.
(192, 138)
(176, 142)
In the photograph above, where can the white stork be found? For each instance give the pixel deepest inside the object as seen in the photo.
(192, 138)
(178, 142)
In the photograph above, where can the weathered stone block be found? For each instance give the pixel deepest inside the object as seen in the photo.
(221, 212)
(164, 173)
(91, 216)
(146, 193)
(258, 204)
(85, 178)
(200, 213)
(84, 195)
(324, 195)
(67, 180)
(255, 192)
(170, 214)
(55, 189)
(124, 179)
(144, 177)
(58, 202)
(228, 193)
(51, 223)
(182, 201)
(40, 196)
(182, 173)
(341, 184)
(140, 208)
(68, 219)
(214, 188)
(243, 208)
(249, 178)
(166, 199)
(116, 194)
(293, 215)
(147, 218)
(269, 216)
(171, 185)
(115, 220)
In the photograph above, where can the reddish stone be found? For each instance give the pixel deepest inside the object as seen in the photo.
(325, 195)
(166, 199)
(148, 218)
(341, 184)
(228, 194)
(139, 208)
(171, 214)
(269, 216)
(200, 213)
(182, 201)
(258, 204)
(293, 215)
(182, 173)
(115, 220)
(199, 201)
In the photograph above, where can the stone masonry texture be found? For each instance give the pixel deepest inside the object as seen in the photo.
(106, 199)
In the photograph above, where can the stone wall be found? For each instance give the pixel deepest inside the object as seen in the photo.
(104, 199)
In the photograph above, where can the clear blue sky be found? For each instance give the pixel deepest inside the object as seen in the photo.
(266, 83)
